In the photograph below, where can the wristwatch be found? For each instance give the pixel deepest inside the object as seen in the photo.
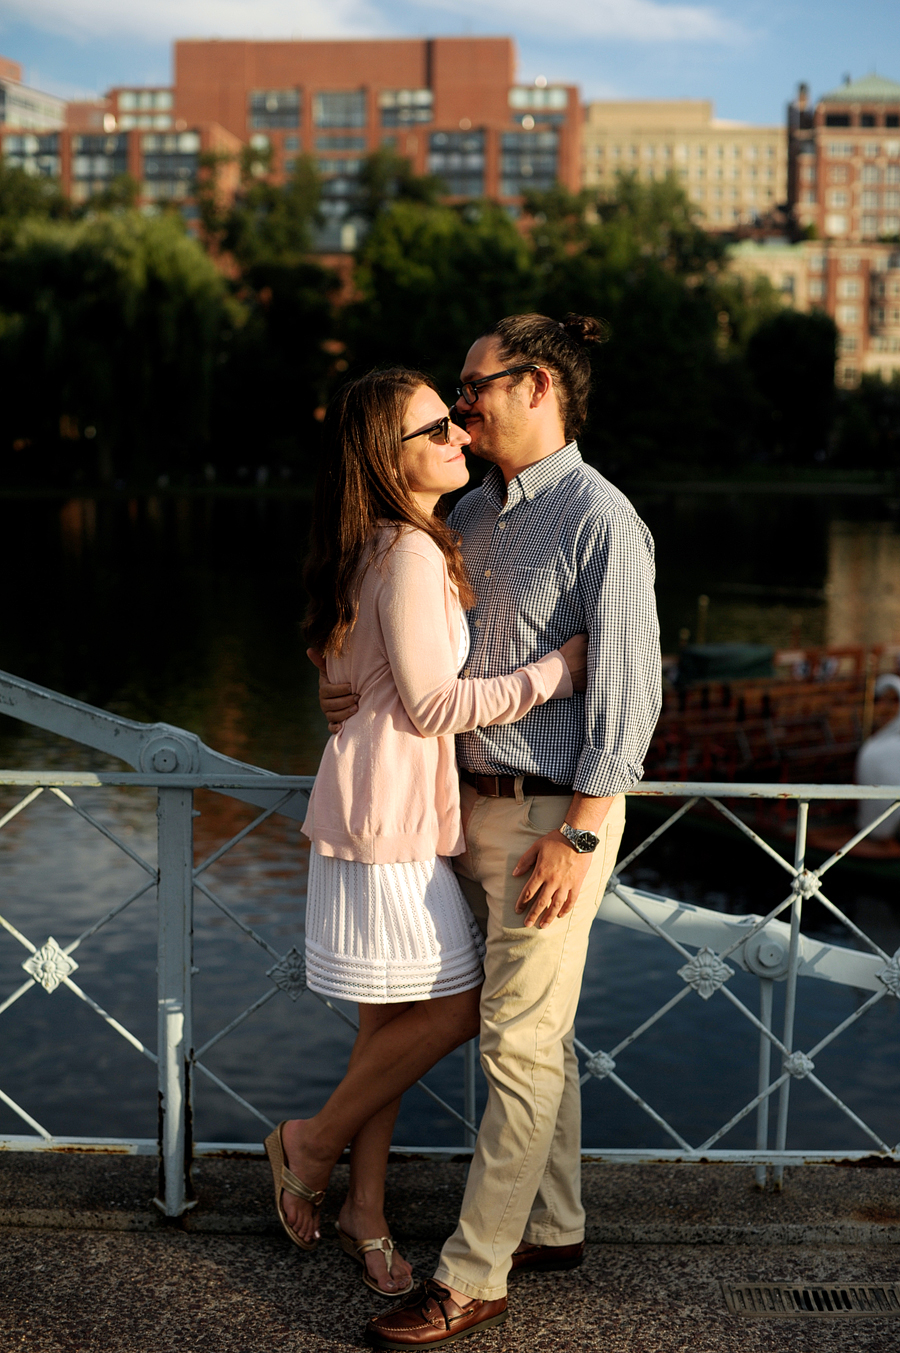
(583, 842)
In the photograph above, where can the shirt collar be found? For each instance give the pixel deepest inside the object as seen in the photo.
(532, 481)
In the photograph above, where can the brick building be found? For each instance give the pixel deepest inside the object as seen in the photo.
(858, 284)
(163, 164)
(844, 160)
(844, 192)
(734, 172)
(449, 105)
(21, 106)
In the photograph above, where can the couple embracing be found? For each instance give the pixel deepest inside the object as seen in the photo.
(453, 881)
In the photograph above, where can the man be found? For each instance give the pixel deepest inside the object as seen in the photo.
(551, 549)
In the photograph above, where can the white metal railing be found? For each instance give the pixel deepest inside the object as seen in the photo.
(707, 945)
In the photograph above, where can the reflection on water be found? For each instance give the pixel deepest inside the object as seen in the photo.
(186, 610)
(863, 585)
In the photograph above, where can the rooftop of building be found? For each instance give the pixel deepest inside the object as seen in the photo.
(870, 88)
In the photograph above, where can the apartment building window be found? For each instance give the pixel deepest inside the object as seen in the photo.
(132, 100)
(870, 198)
(871, 148)
(869, 225)
(892, 120)
(849, 263)
(340, 169)
(291, 143)
(341, 143)
(838, 198)
(458, 158)
(840, 150)
(400, 107)
(892, 173)
(867, 120)
(848, 314)
(837, 173)
(344, 108)
(816, 263)
(528, 161)
(37, 155)
(170, 166)
(816, 289)
(96, 160)
(849, 287)
(871, 173)
(536, 98)
(274, 109)
(837, 119)
(144, 108)
(340, 184)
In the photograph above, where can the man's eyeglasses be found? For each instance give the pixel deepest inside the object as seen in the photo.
(438, 432)
(469, 389)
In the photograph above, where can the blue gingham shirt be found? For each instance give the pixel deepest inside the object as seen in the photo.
(563, 554)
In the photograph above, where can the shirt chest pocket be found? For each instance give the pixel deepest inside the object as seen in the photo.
(537, 594)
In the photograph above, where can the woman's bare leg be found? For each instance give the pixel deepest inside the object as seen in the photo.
(395, 1046)
(362, 1215)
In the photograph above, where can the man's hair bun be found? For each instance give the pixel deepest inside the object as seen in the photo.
(585, 329)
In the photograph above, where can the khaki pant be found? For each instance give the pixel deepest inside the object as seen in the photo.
(525, 1178)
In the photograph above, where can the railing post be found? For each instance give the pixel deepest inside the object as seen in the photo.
(174, 958)
(470, 1061)
(790, 998)
(766, 989)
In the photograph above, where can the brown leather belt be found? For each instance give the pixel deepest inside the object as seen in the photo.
(504, 786)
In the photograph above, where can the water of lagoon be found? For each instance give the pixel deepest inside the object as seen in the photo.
(186, 610)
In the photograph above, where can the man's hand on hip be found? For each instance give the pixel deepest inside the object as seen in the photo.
(558, 870)
(556, 878)
(336, 701)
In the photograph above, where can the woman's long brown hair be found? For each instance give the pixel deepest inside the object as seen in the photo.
(361, 484)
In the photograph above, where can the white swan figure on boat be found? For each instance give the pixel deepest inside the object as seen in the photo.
(878, 763)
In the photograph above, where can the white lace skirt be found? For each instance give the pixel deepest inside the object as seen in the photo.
(384, 933)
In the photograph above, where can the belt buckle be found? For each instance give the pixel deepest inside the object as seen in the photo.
(496, 794)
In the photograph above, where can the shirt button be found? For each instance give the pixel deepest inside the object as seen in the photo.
(487, 572)
(501, 525)
(466, 672)
(478, 624)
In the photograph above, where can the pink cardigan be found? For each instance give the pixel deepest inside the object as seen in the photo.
(387, 789)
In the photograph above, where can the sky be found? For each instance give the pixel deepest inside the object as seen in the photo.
(745, 55)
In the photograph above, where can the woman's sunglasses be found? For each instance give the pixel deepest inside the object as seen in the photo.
(438, 432)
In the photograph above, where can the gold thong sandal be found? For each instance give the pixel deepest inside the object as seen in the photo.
(358, 1249)
(286, 1182)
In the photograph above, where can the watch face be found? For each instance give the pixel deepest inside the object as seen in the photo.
(584, 842)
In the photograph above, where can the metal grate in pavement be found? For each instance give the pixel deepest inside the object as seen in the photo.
(824, 1302)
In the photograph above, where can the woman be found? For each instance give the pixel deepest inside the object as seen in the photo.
(387, 925)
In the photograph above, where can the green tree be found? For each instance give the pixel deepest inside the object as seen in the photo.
(867, 433)
(385, 178)
(108, 340)
(791, 358)
(430, 278)
(273, 374)
(23, 196)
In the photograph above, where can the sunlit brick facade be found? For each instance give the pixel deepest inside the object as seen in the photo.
(844, 161)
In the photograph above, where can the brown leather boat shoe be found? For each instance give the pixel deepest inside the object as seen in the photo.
(547, 1258)
(429, 1316)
